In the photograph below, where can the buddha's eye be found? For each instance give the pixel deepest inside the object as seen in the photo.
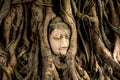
(67, 36)
(57, 37)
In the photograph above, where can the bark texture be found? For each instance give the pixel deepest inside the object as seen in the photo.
(94, 50)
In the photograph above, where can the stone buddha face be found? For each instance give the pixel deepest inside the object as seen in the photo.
(59, 37)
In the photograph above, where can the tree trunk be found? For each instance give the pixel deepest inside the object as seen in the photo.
(94, 43)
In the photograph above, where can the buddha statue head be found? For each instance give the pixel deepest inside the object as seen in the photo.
(59, 36)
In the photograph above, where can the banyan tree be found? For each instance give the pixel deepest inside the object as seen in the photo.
(59, 39)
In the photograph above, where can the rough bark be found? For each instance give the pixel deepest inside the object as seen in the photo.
(94, 50)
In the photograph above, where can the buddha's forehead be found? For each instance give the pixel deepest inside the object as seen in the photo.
(61, 31)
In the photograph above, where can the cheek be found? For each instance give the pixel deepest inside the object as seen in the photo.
(67, 43)
(55, 45)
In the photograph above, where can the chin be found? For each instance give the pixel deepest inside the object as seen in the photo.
(63, 53)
